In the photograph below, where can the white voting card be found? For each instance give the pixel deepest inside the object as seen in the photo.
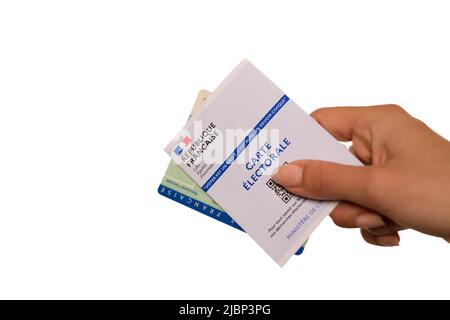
(247, 128)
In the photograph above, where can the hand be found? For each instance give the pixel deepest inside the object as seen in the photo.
(405, 183)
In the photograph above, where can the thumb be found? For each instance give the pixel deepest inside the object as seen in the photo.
(326, 180)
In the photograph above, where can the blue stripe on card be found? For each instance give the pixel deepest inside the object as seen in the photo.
(245, 142)
(198, 206)
(202, 207)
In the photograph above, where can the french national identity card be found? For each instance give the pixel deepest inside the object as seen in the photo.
(243, 131)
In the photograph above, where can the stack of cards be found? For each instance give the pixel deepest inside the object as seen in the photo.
(230, 147)
(178, 186)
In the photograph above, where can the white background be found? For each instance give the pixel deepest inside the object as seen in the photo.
(91, 92)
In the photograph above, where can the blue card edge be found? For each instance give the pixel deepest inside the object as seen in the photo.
(203, 208)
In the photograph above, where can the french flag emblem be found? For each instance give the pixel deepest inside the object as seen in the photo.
(185, 141)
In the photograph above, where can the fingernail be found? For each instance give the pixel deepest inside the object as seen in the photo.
(288, 175)
(388, 241)
(367, 220)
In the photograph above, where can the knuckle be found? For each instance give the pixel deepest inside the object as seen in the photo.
(395, 110)
(391, 110)
(419, 123)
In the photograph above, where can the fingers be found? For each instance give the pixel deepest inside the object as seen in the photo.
(340, 122)
(360, 185)
(347, 215)
(364, 155)
(326, 180)
(385, 241)
(383, 230)
(376, 229)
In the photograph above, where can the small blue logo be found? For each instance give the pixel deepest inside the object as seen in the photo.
(178, 150)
